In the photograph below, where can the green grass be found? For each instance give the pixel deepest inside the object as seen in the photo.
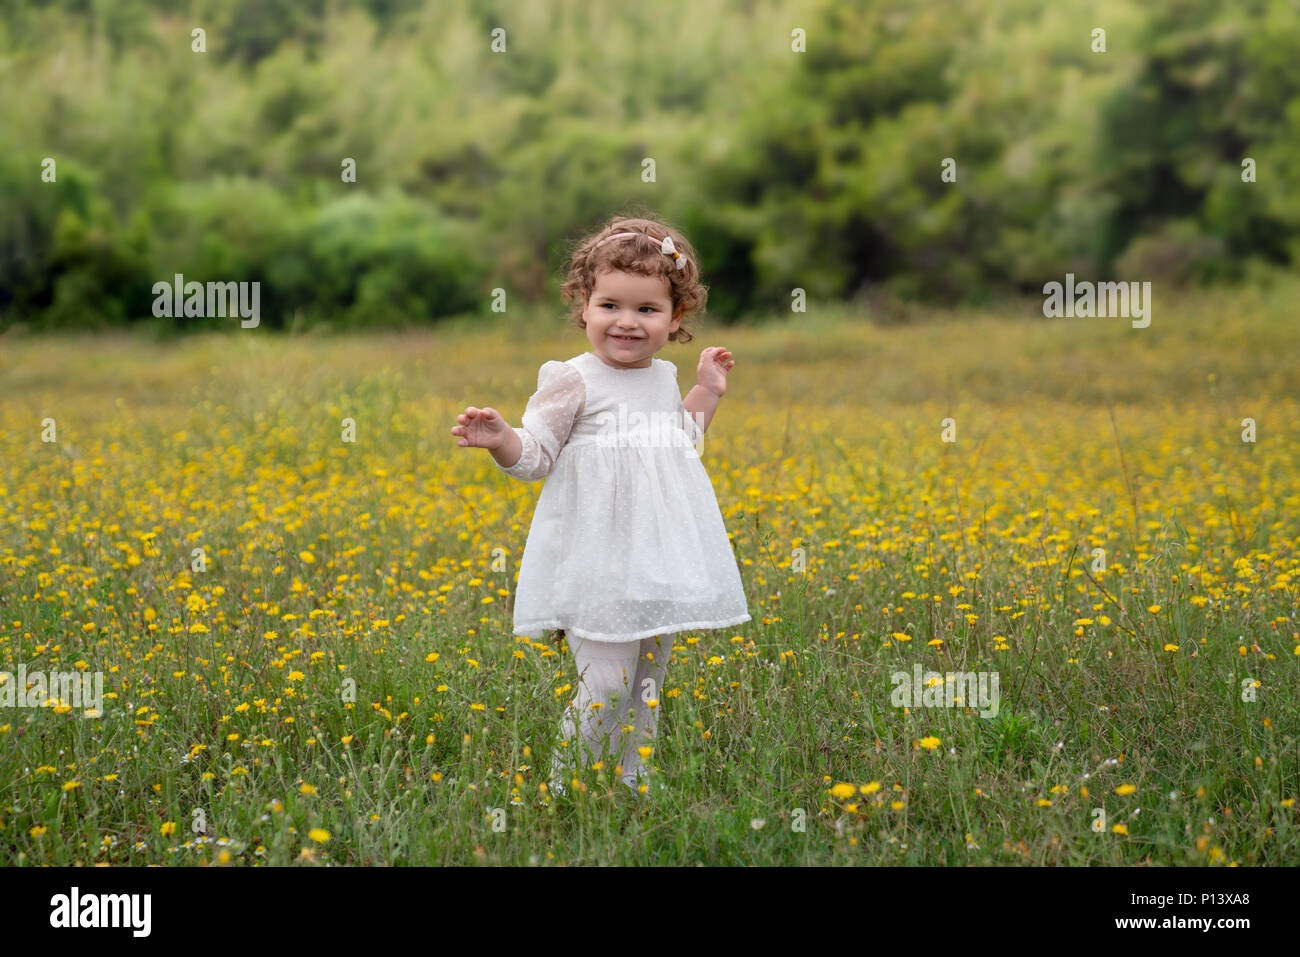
(850, 516)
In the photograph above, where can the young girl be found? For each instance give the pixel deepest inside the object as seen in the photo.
(627, 546)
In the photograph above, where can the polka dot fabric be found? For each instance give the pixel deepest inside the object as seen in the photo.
(627, 541)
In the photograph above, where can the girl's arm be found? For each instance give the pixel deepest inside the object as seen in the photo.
(701, 404)
(711, 374)
(486, 428)
(547, 421)
(509, 451)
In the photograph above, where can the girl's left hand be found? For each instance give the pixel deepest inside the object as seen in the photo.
(715, 363)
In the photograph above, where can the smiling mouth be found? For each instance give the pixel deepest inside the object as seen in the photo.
(628, 338)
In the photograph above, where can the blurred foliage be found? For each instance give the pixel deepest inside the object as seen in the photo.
(478, 170)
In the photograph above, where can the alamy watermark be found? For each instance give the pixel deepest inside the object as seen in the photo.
(218, 299)
(70, 689)
(637, 429)
(129, 911)
(933, 689)
(1086, 299)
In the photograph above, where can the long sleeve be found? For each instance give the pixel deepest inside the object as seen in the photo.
(693, 431)
(692, 428)
(547, 420)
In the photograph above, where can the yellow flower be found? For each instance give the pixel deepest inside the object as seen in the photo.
(645, 750)
(168, 827)
(871, 788)
(319, 835)
(71, 785)
(1125, 789)
(1120, 829)
(37, 831)
(843, 791)
(307, 788)
(307, 557)
(929, 743)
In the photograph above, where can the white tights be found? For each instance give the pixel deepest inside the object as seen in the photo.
(619, 677)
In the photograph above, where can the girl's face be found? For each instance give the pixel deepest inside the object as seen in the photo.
(629, 317)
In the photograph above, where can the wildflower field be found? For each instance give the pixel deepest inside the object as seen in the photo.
(306, 646)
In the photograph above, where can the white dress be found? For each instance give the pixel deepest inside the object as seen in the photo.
(627, 541)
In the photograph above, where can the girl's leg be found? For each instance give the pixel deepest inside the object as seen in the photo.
(651, 668)
(594, 719)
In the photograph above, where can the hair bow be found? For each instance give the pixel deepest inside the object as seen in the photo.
(669, 249)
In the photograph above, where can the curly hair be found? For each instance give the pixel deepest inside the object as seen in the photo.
(636, 254)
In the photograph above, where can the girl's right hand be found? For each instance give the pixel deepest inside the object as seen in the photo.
(480, 428)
